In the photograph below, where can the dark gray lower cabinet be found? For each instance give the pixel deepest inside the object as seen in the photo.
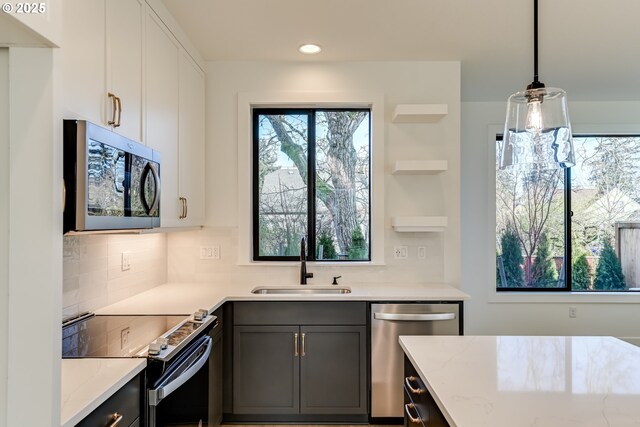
(306, 366)
(123, 405)
(265, 370)
(332, 372)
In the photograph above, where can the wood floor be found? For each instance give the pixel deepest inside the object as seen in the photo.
(289, 425)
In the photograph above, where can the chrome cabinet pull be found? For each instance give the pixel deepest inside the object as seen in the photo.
(303, 352)
(413, 390)
(295, 344)
(116, 420)
(119, 111)
(186, 207)
(115, 108)
(412, 419)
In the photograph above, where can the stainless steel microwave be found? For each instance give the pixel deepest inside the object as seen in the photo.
(111, 182)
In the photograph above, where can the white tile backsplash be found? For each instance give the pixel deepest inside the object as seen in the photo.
(92, 274)
(185, 265)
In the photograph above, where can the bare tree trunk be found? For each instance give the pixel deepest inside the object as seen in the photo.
(341, 158)
(340, 194)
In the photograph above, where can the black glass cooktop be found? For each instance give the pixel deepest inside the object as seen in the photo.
(120, 336)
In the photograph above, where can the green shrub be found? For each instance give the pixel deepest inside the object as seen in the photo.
(543, 270)
(325, 241)
(609, 275)
(358, 248)
(511, 258)
(581, 273)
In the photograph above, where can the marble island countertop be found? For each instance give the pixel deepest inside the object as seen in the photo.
(512, 381)
(185, 298)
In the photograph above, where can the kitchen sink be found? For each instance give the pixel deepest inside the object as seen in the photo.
(301, 290)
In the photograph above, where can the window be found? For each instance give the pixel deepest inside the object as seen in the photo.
(311, 179)
(596, 202)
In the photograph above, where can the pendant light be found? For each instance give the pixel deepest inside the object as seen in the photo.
(537, 132)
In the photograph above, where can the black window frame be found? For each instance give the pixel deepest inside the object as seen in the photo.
(311, 183)
(568, 213)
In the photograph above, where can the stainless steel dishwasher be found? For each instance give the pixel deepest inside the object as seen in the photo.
(388, 322)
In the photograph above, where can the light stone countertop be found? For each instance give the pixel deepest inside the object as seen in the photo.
(185, 298)
(511, 381)
(87, 383)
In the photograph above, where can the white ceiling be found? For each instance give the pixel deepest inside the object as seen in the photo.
(590, 48)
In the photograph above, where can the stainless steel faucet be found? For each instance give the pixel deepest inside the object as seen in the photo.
(303, 264)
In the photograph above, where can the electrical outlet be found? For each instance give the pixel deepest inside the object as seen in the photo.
(400, 252)
(206, 252)
(573, 312)
(422, 252)
(126, 261)
(210, 252)
(124, 337)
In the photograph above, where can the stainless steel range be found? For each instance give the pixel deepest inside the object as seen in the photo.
(178, 351)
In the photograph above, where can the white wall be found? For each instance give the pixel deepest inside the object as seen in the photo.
(489, 314)
(35, 241)
(4, 229)
(398, 82)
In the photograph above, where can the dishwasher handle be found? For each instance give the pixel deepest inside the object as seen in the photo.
(414, 317)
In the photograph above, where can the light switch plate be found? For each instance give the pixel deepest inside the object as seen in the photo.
(422, 252)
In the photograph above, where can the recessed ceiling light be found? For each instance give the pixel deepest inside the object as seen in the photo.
(310, 49)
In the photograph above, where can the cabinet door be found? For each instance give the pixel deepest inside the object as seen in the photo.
(333, 370)
(191, 146)
(125, 20)
(266, 367)
(83, 60)
(161, 104)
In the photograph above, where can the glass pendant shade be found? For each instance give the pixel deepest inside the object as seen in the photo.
(537, 133)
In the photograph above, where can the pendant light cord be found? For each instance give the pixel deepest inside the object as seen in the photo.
(536, 84)
(535, 41)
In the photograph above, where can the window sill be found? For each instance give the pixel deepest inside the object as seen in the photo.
(312, 263)
(564, 297)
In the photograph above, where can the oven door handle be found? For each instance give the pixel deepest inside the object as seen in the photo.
(192, 367)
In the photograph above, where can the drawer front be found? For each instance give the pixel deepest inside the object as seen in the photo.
(125, 402)
(412, 417)
(420, 408)
(300, 313)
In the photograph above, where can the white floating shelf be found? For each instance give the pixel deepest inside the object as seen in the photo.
(420, 167)
(419, 113)
(419, 224)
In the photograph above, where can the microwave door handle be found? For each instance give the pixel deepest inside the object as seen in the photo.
(151, 210)
(157, 394)
(414, 317)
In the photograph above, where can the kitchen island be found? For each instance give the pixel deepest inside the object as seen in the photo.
(512, 381)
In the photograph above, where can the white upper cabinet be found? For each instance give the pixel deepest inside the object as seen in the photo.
(124, 68)
(161, 106)
(125, 20)
(84, 60)
(102, 54)
(191, 145)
